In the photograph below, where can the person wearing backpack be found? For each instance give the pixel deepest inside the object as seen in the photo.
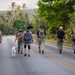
(41, 33)
(60, 35)
(73, 39)
(19, 37)
(27, 37)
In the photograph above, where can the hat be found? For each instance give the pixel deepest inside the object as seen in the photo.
(20, 30)
(61, 28)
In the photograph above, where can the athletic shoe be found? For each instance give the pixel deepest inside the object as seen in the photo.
(25, 54)
(28, 55)
(42, 51)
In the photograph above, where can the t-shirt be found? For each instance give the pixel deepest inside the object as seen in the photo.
(60, 34)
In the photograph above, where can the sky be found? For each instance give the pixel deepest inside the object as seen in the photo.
(6, 4)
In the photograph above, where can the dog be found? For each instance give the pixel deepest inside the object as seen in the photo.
(13, 51)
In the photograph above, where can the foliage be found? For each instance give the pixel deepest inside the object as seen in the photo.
(50, 36)
(71, 25)
(55, 13)
(18, 24)
(14, 18)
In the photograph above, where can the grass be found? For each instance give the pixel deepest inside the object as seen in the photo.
(66, 42)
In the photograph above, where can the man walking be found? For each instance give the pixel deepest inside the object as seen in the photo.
(19, 37)
(41, 39)
(60, 35)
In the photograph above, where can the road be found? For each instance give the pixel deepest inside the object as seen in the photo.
(50, 63)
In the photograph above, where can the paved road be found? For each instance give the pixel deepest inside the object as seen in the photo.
(50, 63)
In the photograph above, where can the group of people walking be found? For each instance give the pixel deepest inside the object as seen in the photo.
(25, 39)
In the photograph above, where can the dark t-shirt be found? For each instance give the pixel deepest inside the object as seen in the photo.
(60, 34)
(38, 33)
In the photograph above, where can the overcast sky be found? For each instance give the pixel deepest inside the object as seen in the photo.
(30, 4)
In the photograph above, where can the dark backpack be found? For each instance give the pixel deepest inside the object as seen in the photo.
(27, 36)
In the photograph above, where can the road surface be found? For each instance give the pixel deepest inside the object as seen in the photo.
(50, 63)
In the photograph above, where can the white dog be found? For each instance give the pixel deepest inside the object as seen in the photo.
(13, 51)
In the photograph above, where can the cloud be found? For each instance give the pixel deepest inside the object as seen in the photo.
(30, 4)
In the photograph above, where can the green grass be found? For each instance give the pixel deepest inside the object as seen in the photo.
(52, 40)
(66, 43)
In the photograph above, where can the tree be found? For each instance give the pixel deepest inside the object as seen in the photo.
(24, 6)
(8, 16)
(13, 5)
(18, 24)
(55, 13)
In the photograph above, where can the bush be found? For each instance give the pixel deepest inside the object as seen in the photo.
(51, 36)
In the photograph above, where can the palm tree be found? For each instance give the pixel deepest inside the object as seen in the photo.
(18, 9)
(13, 5)
(24, 6)
(26, 18)
(8, 16)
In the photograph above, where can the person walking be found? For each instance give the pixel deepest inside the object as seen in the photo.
(0, 36)
(19, 37)
(73, 39)
(27, 38)
(60, 35)
(11, 32)
(6, 33)
(41, 33)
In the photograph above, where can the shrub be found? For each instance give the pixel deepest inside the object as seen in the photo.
(51, 36)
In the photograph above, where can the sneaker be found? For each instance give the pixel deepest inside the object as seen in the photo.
(60, 51)
(28, 55)
(42, 51)
(39, 51)
(25, 54)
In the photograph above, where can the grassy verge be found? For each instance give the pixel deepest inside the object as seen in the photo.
(66, 43)
(51, 40)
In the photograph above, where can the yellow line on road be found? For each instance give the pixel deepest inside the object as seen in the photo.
(71, 67)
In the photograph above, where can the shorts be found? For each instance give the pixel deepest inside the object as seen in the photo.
(41, 41)
(27, 41)
(59, 42)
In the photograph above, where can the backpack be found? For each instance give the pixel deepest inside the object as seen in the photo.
(19, 36)
(41, 34)
(27, 36)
